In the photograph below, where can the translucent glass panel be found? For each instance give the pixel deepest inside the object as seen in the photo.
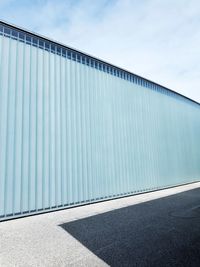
(70, 133)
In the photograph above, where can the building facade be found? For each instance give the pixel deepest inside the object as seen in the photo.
(75, 129)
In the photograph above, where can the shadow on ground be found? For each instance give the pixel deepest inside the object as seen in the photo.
(162, 232)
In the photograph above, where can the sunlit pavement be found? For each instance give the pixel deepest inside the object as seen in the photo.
(154, 229)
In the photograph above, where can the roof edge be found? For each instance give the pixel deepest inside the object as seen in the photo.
(91, 56)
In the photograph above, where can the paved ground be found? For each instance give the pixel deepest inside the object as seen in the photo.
(152, 229)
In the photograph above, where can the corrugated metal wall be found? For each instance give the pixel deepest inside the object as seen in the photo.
(70, 133)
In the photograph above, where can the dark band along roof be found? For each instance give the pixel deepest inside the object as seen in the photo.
(82, 57)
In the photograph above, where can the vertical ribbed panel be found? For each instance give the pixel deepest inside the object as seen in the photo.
(70, 133)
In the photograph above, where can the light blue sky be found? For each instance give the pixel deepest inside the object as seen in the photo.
(158, 39)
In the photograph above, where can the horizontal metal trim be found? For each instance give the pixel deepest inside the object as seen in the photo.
(93, 57)
(32, 213)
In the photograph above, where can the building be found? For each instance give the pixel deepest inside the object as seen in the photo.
(75, 129)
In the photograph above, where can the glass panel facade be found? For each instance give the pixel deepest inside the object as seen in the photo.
(74, 129)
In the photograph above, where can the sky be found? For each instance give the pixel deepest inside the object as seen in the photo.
(157, 39)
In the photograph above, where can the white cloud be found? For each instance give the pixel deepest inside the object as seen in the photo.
(157, 39)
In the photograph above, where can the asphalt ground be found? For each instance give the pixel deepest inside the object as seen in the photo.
(153, 229)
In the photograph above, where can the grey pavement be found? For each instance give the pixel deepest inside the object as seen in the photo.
(153, 229)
